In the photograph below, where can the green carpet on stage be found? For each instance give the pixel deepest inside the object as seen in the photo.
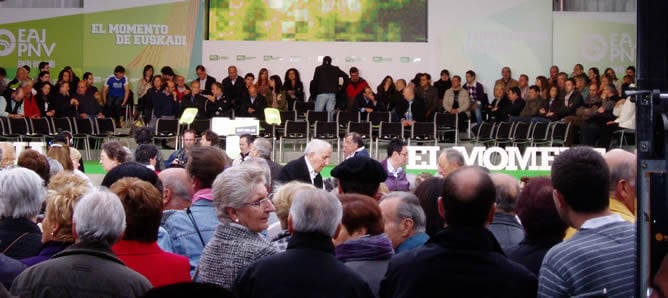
(94, 167)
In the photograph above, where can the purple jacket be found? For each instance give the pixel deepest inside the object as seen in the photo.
(48, 250)
(393, 183)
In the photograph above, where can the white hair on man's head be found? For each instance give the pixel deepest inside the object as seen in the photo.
(99, 216)
(22, 194)
(409, 207)
(263, 147)
(452, 155)
(316, 146)
(315, 210)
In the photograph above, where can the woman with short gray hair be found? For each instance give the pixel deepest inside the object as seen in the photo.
(22, 195)
(243, 207)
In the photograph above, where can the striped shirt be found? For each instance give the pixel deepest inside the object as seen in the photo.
(601, 256)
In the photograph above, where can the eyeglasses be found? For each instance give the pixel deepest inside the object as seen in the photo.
(266, 202)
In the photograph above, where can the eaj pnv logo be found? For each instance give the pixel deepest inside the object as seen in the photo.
(7, 42)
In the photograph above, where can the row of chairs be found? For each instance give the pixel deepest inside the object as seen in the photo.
(45, 129)
(521, 134)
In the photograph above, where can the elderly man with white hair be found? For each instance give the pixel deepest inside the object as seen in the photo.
(88, 267)
(308, 167)
(308, 268)
(22, 195)
(262, 148)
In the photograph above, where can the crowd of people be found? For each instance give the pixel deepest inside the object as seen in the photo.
(593, 102)
(248, 227)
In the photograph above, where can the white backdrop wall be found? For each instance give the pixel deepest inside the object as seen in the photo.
(483, 35)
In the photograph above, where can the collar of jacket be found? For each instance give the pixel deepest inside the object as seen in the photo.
(19, 224)
(98, 249)
(309, 240)
(467, 239)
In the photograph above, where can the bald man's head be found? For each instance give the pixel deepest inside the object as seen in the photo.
(178, 189)
(468, 198)
(507, 189)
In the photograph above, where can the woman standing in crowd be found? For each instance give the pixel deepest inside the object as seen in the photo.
(146, 81)
(243, 208)
(543, 228)
(113, 154)
(361, 244)
(277, 96)
(293, 86)
(262, 83)
(385, 91)
(64, 191)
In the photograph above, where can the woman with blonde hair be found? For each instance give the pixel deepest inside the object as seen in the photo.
(8, 155)
(64, 191)
(282, 202)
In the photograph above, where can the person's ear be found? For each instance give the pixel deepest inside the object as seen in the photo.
(232, 213)
(291, 227)
(166, 196)
(441, 209)
(406, 226)
(490, 214)
(558, 199)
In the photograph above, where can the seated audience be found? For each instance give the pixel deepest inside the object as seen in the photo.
(219, 105)
(428, 193)
(243, 207)
(543, 228)
(191, 229)
(205, 80)
(458, 101)
(361, 175)
(308, 268)
(65, 190)
(506, 228)
(21, 200)
(411, 108)
(533, 105)
(397, 157)
(86, 106)
(361, 243)
(551, 107)
(497, 108)
(252, 104)
(478, 96)
(506, 81)
(581, 181)
(278, 98)
(282, 201)
(365, 102)
(465, 255)
(405, 221)
(98, 221)
(138, 248)
(195, 99)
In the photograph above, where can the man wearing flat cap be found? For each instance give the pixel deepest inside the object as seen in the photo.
(360, 175)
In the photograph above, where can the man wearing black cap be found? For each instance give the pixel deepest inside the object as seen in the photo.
(360, 175)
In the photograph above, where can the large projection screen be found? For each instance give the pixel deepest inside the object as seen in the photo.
(318, 20)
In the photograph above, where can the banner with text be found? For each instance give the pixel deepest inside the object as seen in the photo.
(96, 39)
(608, 41)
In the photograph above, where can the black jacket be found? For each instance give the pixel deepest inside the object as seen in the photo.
(457, 262)
(194, 101)
(62, 105)
(236, 91)
(418, 109)
(23, 235)
(308, 268)
(574, 102)
(360, 102)
(258, 105)
(221, 107)
(295, 170)
(85, 269)
(206, 89)
(530, 254)
(507, 230)
(326, 78)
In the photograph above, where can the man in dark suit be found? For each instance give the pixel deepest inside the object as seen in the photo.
(465, 254)
(204, 79)
(572, 100)
(307, 168)
(195, 99)
(308, 268)
(233, 86)
(413, 104)
(366, 102)
(253, 104)
(353, 146)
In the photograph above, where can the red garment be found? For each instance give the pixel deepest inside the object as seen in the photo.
(355, 88)
(159, 267)
(30, 108)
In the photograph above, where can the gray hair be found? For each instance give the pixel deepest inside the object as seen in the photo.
(99, 216)
(315, 210)
(54, 167)
(409, 207)
(261, 164)
(263, 147)
(233, 187)
(452, 155)
(176, 185)
(507, 190)
(625, 169)
(316, 146)
(22, 194)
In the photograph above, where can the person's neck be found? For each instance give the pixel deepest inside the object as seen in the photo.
(578, 219)
(395, 164)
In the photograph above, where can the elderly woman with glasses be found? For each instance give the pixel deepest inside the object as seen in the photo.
(243, 207)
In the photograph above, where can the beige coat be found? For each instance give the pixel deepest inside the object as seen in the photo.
(464, 101)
